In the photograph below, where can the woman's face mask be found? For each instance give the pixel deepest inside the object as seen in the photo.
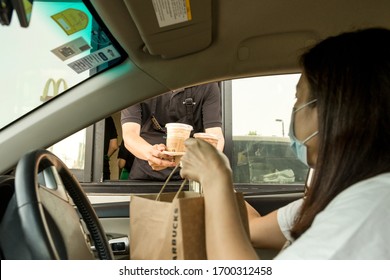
(299, 147)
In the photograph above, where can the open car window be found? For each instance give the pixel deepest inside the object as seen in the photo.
(261, 114)
(68, 45)
(256, 122)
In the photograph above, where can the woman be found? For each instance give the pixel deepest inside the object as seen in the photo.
(340, 125)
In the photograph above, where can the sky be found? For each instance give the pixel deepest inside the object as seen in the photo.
(259, 102)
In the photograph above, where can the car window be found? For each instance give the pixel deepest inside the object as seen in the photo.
(260, 152)
(261, 112)
(68, 45)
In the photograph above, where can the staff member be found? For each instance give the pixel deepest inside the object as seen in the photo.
(143, 127)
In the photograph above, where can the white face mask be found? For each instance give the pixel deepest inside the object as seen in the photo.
(299, 147)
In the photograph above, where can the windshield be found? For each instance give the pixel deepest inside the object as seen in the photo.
(62, 46)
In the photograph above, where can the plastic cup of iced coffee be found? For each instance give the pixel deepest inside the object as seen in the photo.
(208, 137)
(177, 133)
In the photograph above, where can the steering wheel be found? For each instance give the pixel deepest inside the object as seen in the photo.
(52, 229)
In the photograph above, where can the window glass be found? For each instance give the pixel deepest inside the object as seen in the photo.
(261, 118)
(67, 46)
(71, 150)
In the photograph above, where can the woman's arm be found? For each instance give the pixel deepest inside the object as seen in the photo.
(264, 230)
(226, 237)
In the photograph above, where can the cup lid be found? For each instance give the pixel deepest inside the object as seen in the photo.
(179, 125)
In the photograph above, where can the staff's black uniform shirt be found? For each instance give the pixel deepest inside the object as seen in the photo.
(171, 107)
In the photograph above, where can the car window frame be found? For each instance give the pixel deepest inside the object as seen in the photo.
(93, 175)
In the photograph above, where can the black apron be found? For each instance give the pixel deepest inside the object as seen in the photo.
(156, 134)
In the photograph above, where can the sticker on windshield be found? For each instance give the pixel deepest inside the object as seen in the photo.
(95, 59)
(169, 12)
(71, 48)
(71, 20)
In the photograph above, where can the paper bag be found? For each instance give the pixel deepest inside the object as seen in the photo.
(171, 228)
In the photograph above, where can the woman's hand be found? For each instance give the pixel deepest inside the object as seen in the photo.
(202, 161)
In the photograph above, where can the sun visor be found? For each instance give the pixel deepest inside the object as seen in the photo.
(172, 28)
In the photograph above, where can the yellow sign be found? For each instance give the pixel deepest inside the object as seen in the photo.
(71, 20)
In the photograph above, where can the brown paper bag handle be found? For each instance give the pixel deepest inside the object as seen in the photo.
(166, 182)
(181, 187)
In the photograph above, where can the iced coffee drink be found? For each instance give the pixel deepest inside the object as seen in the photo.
(177, 133)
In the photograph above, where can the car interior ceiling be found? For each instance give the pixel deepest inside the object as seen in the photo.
(265, 38)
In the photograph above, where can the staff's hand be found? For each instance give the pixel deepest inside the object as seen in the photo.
(202, 161)
(157, 160)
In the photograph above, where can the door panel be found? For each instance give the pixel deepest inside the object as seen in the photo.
(115, 218)
(117, 230)
(265, 204)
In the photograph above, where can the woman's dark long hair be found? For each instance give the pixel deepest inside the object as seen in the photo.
(349, 75)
